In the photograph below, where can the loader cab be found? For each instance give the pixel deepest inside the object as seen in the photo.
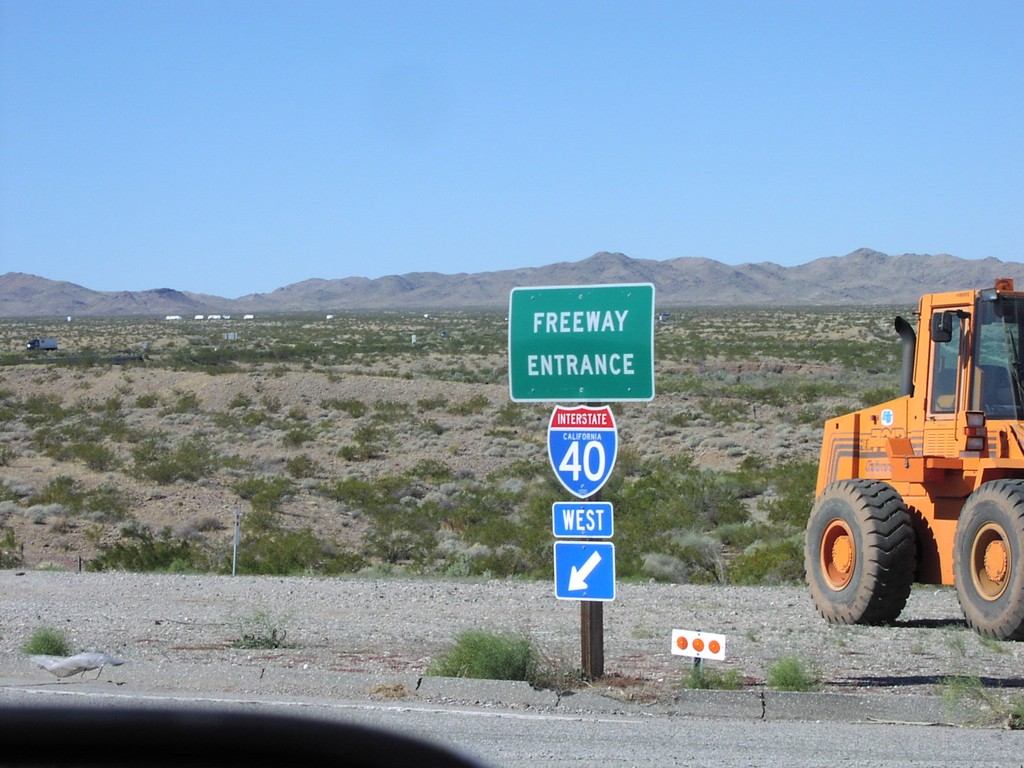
(975, 358)
(996, 372)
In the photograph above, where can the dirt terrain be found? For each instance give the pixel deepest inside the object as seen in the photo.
(177, 633)
(472, 442)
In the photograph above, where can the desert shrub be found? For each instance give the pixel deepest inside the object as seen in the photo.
(749, 479)
(776, 562)
(1015, 714)
(209, 523)
(396, 536)
(106, 504)
(794, 484)
(7, 455)
(352, 406)
(139, 550)
(187, 402)
(61, 490)
(301, 466)
(705, 677)
(432, 427)
(240, 400)
(691, 558)
(390, 411)
(356, 493)
(879, 395)
(431, 403)
(431, 469)
(10, 550)
(265, 494)
(95, 456)
(148, 400)
(255, 418)
(42, 409)
(46, 641)
(724, 412)
(739, 536)
(368, 442)
(298, 435)
(287, 553)
(664, 500)
(486, 655)
(510, 415)
(502, 531)
(192, 459)
(792, 673)
(475, 404)
(7, 493)
(261, 631)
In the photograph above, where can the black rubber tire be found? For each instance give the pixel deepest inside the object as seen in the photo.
(994, 609)
(878, 540)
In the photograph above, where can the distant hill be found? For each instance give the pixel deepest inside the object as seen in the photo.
(861, 277)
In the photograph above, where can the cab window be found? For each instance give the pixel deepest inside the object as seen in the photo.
(945, 371)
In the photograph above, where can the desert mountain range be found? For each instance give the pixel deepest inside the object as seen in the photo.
(861, 277)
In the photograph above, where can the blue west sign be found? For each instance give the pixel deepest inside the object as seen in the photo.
(582, 519)
(582, 444)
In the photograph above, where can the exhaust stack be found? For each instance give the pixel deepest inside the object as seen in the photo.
(909, 339)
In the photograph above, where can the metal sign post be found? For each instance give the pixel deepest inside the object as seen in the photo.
(592, 628)
(592, 639)
(234, 550)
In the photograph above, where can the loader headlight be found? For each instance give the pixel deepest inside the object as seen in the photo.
(975, 431)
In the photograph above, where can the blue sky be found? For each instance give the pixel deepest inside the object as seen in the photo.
(236, 147)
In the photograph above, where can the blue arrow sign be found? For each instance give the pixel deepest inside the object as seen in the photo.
(582, 519)
(584, 570)
(582, 444)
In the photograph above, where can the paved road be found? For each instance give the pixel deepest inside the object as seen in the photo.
(512, 738)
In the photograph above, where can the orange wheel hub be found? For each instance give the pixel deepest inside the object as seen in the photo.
(838, 554)
(990, 561)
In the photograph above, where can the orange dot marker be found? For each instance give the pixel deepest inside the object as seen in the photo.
(698, 645)
(681, 643)
(714, 646)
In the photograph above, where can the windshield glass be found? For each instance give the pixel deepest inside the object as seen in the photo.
(997, 387)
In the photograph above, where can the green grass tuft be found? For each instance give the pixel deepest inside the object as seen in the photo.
(792, 673)
(47, 642)
(486, 655)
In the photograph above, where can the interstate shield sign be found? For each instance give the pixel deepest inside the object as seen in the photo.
(582, 443)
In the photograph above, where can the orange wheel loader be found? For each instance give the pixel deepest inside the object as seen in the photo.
(929, 487)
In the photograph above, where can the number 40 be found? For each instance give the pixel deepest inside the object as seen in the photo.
(571, 461)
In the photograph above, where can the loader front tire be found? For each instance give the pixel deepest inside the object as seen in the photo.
(859, 554)
(988, 559)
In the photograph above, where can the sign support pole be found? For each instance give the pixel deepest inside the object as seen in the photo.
(592, 627)
(592, 639)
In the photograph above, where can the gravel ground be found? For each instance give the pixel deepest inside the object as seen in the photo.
(176, 633)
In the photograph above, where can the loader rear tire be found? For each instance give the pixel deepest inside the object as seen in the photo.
(859, 554)
(988, 559)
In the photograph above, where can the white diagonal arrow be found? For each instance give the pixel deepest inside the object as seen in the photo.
(578, 577)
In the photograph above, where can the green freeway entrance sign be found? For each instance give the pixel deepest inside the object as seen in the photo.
(581, 343)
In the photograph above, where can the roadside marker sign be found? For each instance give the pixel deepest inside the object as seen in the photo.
(582, 445)
(700, 645)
